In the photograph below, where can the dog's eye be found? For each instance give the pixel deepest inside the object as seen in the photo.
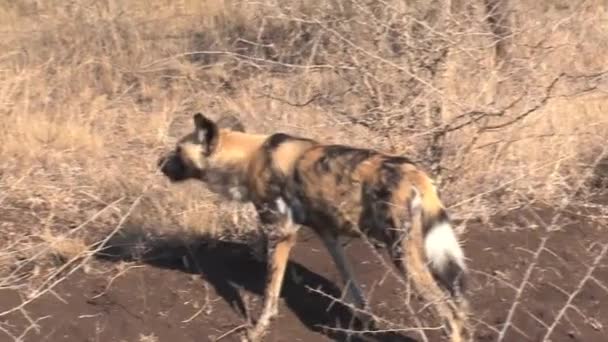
(178, 150)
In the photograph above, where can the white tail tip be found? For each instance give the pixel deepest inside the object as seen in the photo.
(442, 247)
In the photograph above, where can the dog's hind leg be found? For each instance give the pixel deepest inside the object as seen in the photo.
(408, 255)
(353, 290)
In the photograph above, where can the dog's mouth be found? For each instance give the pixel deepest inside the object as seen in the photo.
(173, 168)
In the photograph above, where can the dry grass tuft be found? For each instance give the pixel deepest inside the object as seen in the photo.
(65, 248)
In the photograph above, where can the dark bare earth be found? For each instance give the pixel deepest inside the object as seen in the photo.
(170, 291)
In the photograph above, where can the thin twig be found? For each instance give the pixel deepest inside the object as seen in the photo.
(576, 291)
(380, 331)
(231, 331)
(107, 287)
(521, 288)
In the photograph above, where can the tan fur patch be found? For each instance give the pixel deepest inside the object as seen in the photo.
(286, 154)
(192, 154)
(367, 170)
(430, 200)
(236, 148)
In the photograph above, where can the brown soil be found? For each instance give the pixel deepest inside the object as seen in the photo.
(170, 282)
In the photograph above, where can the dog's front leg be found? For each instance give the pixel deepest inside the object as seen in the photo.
(281, 234)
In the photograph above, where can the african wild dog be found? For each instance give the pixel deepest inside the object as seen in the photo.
(336, 191)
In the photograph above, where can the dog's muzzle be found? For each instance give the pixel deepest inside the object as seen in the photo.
(172, 167)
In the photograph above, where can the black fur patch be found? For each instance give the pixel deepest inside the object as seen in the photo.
(398, 160)
(276, 181)
(268, 213)
(277, 139)
(341, 160)
(452, 278)
(376, 219)
(430, 221)
(209, 130)
(354, 156)
(174, 169)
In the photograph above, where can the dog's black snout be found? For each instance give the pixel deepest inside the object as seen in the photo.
(172, 167)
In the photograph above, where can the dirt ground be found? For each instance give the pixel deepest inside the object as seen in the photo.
(166, 290)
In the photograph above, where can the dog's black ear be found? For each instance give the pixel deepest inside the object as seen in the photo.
(206, 132)
(231, 122)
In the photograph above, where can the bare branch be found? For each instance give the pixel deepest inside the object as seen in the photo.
(521, 288)
(576, 291)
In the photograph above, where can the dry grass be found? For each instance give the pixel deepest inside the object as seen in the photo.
(92, 91)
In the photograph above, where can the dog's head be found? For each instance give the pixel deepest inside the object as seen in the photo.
(193, 154)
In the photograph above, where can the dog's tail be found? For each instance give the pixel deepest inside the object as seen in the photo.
(442, 249)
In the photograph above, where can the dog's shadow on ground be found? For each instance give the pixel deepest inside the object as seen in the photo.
(229, 266)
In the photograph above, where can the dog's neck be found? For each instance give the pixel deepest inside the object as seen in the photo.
(227, 175)
(227, 181)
